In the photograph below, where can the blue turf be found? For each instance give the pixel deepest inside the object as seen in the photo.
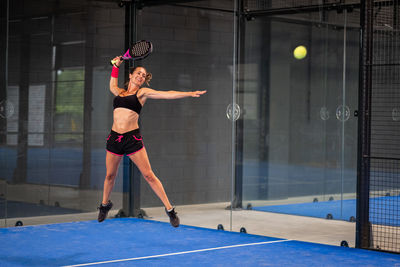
(383, 210)
(17, 209)
(316, 209)
(87, 242)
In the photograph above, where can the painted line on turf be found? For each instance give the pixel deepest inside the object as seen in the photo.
(179, 253)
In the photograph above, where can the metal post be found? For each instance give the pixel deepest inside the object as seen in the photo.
(264, 109)
(131, 174)
(84, 181)
(23, 112)
(4, 67)
(363, 234)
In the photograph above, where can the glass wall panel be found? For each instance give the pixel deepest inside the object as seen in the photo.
(56, 108)
(300, 132)
(189, 141)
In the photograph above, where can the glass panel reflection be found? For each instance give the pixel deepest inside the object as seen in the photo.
(296, 116)
(53, 123)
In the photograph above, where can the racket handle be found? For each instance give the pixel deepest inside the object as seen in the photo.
(112, 62)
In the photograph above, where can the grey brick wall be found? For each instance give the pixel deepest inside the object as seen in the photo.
(189, 140)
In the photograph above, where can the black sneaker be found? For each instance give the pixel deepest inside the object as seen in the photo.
(103, 210)
(173, 218)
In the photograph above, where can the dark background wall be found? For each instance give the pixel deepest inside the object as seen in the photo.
(58, 77)
(189, 140)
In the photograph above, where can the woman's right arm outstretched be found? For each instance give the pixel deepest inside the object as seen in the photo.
(114, 77)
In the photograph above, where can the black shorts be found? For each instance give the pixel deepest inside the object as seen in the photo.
(127, 143)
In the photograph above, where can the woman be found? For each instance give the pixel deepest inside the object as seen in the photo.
(125, 137)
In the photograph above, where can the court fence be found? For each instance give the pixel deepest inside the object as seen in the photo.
(379, 129)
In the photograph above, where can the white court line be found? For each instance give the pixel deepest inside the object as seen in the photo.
(179, 253)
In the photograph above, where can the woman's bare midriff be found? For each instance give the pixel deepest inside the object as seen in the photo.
(125, 120)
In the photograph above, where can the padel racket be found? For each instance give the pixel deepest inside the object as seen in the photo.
(138, 50)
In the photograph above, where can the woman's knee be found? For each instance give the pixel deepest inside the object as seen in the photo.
(110, 177)
(149, 176)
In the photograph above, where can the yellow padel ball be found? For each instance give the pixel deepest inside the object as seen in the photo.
(300, 52)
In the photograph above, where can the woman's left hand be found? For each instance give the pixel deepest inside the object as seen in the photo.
(197, 93)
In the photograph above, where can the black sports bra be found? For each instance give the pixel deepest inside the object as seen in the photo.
(130, 102)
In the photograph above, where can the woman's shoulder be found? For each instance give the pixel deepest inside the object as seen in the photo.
(143, 91)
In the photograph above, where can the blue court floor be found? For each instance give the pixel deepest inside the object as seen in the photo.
(343, 210)
(138, 242)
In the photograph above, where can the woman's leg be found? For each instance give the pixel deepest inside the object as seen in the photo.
(141, 160)
(112, 164)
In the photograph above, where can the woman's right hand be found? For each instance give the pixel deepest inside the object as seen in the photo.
(118, 61)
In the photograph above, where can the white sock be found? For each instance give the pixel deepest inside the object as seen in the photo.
(170, 209)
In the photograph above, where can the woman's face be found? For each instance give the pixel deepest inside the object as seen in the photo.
(138, 77)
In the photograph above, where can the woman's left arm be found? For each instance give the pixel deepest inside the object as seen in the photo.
(154, 94)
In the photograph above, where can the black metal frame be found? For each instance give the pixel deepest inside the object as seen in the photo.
(264, 111)
(84, 181)
(366, 236)
(302, 9)
(23, 108)
(131, 174)
(363, 233)
(3, 67)
(339, 7)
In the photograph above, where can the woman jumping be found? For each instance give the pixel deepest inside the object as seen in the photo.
(125, 137)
